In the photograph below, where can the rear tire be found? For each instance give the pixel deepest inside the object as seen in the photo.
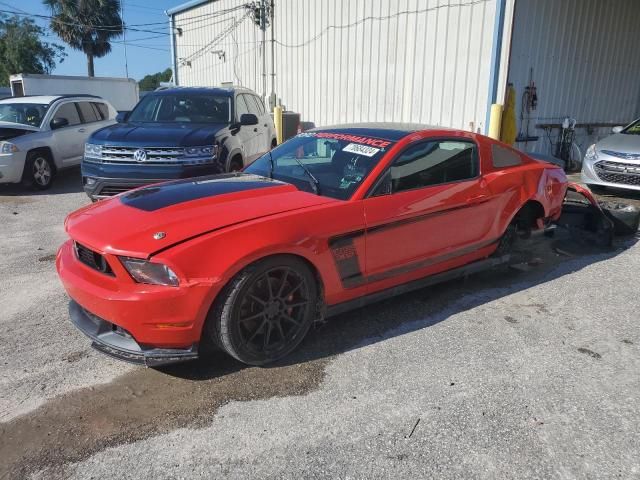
(39, 170)
(265, 311)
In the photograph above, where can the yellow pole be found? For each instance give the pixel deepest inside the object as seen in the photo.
(508, 128)
(495, 121)
(277, 120)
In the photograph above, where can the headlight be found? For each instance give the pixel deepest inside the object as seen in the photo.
(143, 271)
(206, 154)
(591, 154)
(9, 148)
(92, 151)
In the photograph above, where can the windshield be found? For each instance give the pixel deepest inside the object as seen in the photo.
(633, 129)
(338, 161)
(183, 107)
(23, 113)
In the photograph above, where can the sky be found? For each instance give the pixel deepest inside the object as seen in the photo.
(145, 55)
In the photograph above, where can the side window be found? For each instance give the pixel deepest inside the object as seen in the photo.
(88, 113)
(503, 157)
(258, 101)
(433, 163)
(70, 112)
(101, 110)
(241, 107)
(252, 105)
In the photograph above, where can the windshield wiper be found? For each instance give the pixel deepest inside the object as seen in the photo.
(313, 181)
(271, 165)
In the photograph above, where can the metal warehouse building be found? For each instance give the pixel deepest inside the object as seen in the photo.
(439, 62)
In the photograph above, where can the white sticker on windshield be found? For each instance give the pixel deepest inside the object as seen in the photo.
(365, 150)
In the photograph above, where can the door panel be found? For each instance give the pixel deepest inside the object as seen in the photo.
(69, 141)
(247, 134)
(421, 224)
(407, 228)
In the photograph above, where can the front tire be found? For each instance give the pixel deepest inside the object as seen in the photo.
(265, 311)
(38, 170)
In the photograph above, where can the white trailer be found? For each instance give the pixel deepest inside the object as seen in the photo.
(122, 93)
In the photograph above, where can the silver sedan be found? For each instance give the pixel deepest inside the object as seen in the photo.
(615, 160)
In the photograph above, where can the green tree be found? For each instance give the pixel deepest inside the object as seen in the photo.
(151, 82)
(22, 50)
(87, 25)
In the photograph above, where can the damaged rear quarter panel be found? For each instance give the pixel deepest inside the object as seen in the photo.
(533, 180)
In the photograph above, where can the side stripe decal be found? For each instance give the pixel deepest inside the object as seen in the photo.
(345, 256)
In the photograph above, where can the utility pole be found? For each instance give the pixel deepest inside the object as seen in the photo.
(124, 35)
(272, 97)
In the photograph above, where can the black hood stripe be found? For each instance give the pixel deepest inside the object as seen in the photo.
(156, 197)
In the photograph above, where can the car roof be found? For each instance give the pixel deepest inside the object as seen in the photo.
(387, 130)
(227, 91)
(46, 99)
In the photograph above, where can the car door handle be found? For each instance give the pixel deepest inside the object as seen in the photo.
(477, 199)
(255, 129)
(82, 130)
(266, 125)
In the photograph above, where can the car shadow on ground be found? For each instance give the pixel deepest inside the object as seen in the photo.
(66, 181)
(537, 261)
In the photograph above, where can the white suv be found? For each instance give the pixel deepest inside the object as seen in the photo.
(41, 135)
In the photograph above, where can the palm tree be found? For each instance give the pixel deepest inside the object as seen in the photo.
(86, 25)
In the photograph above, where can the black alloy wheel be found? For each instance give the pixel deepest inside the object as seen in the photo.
(267, 310)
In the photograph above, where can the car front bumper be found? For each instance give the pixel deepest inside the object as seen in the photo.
(111, 340)
(11, 167)
(611, 173)
(140, 323)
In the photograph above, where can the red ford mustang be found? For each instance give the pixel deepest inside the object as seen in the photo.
(330, 220)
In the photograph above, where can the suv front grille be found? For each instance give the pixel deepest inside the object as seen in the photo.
(154, 155)
(92, 259)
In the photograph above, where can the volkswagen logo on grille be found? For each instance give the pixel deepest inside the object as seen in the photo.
(140, 155)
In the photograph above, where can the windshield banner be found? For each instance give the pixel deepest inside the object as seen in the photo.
(374, 142)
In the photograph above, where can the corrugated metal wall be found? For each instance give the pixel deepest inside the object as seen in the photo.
(338, 61)
(584, 55)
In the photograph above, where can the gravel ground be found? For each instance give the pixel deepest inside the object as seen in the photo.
(529, 372)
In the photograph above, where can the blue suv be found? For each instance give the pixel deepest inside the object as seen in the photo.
(177, 133)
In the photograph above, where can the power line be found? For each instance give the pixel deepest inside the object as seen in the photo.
(198, 53)
(133, 27)
(108, 28)
(379, 18)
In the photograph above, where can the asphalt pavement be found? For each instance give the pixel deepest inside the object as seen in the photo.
(525, 372)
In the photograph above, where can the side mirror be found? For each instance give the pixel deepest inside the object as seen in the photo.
(121, 117)
(234, 128)
(58, 122)
(385, 187)
(248, 119)
(617, 129)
